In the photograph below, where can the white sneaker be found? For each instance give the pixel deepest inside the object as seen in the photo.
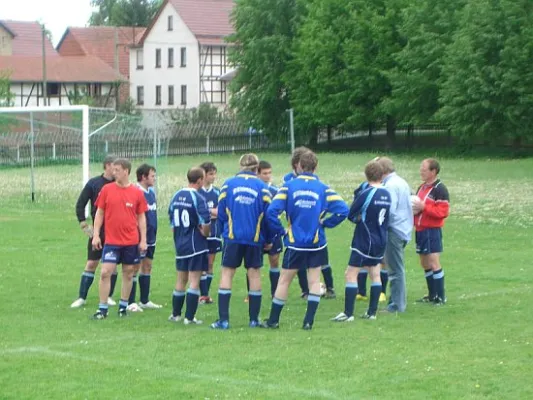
(78, 303)
(111, 302)
(343, 318)
(176, 318)
(193, 321)
(150, 305)
(134, 307)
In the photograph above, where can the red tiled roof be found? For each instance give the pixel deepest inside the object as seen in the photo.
(27, 39)
(99, 41)
(75, 69)
(208, 20)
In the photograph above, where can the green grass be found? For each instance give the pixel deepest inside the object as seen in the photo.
(478, 346)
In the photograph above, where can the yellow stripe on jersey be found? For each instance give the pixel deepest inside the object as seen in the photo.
(283, 189)
(267, 199)
(334, 198)
(315, 240)
(258, 228)
(330, 191)
(222, 196)
(265, 191)
(280, 196)
(230, 224)
(307, 177)
(289, 231)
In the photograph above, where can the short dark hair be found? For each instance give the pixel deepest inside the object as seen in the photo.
(124, 163)
(144, 170)
(194, 174)
(374, 171)
(433, 164)
(264, 165)
(108, 160)
(296, 154)
(208, 166)
(308, 161)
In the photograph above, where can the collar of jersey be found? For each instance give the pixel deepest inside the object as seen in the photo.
(307, 175)
(143, 189)
(248, 174)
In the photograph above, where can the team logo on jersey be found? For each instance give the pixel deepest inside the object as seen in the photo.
(210, 204)
(110, 256)
(152, 207)
(130, 205)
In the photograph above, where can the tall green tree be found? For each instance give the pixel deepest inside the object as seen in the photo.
(428, 27)
(342, 54)
(488, 87)
(124, 12)
(264, 30)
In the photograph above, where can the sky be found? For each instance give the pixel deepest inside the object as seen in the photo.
(57, 15)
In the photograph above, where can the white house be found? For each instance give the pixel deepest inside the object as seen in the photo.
(180, 57)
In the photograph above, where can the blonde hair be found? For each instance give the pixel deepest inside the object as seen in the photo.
(249, 162)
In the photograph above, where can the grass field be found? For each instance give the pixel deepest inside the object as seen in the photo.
(480, 345)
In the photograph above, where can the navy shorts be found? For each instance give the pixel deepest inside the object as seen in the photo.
(234, 254)
(194, 263)
(150, 252)
(214, 246)
(303, 259)
(92, 254)
(277, 247)
(429, 241)
(128, 255)
(360, 260)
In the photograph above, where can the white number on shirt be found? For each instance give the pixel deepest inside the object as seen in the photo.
(185, 219)
(381, 217)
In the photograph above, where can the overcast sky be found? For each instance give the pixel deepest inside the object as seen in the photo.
(57, 15)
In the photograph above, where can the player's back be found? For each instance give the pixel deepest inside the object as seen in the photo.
(187, 211)
(242, 203)
(306, 205)
(211, 198)
(371, 230)
(289, 177)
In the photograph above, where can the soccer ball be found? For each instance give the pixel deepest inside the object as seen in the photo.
(322, 289)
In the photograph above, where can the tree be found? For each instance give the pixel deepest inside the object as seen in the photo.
(124, 12)
(488, 81)
(428, 26)
(264, 30)
(6, 96)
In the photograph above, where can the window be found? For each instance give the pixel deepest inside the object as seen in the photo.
(183, 54)
(140, 95)
(171, 57)
(158, 95)
(158, 58)
(183, 94)
(170, 95)
(140, 59)
(52, 89)
(170, 23)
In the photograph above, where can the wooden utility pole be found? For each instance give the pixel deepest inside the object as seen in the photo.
(45, 88)
(117, 69)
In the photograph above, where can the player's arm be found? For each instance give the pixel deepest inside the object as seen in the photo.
(98, 222)
(337, 209)
(269, 235)
(393, 193)
(222, 217)
(83, 199)
(440, 207)
(355, 208)
(141, 223)
(203, 216)
(276, 207)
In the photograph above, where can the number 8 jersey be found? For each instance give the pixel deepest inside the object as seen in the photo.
(187, 211)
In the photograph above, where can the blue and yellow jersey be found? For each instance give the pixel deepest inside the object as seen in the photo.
(211, 197)
(187, 211)
(310, 206)
(289, 177)
(242, 205)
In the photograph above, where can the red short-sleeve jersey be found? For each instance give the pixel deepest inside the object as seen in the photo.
(121, 205)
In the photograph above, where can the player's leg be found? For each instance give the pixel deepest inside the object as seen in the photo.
(87, 278)
(207, 276)
(253, 261)
(145, 279)
(178, 295)
(304, 284)
(132, 305)
(313, 300)
(350, 294)
(232, 257)
(375, 291)
(274, 272)
(108, 266)
(433, 262)
(193, 295)
(423, 250)
(384, 278)
(394, 259)
(361, 284)
(130, 259)
(327, 273)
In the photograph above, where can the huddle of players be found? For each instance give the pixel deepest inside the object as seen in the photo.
(245, 215)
